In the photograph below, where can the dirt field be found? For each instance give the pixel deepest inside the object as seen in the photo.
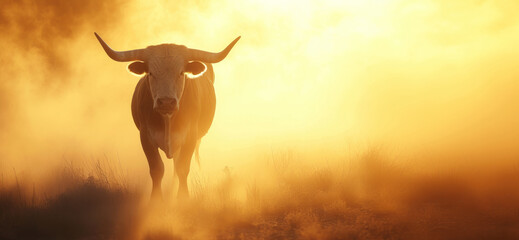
(373, 199)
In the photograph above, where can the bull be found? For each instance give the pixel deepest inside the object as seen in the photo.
(173, 104)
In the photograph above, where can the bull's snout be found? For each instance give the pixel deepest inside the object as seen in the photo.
(166, 105)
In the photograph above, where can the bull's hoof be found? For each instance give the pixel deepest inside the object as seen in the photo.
(182, 194)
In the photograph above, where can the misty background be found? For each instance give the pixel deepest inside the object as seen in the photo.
(433, 78)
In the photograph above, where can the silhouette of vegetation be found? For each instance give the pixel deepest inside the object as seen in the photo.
(87, 208)
(371, 198)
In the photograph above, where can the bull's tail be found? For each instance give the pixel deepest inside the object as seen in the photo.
(197, 152)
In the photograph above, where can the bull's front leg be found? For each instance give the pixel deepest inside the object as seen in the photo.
(155, 163)
(182, 167)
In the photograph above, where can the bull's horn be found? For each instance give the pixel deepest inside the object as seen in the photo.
(210, 57)
(122, 56)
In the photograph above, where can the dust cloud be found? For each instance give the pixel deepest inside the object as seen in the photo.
(433, 84)
(414, 77)
(40, 64)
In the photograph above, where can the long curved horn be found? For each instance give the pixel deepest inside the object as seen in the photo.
(122, 56)
(210, 57)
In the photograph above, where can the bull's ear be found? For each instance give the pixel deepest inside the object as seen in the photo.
(138, 67)
(195, 67)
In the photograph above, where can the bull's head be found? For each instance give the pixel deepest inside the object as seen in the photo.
(166, 66)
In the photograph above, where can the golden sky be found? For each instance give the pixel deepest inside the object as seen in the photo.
(306, 75)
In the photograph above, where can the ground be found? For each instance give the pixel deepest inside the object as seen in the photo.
(374, 200)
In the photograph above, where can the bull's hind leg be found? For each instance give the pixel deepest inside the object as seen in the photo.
(156, 166)
(182, 167)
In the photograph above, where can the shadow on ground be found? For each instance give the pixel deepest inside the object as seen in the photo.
(373, 200)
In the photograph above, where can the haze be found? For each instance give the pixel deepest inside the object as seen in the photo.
(311, 77)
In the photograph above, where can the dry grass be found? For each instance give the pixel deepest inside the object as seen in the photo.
(373, 198)
(78, 206)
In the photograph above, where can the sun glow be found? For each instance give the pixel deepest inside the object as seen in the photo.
(305, 75)
(383, 111)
